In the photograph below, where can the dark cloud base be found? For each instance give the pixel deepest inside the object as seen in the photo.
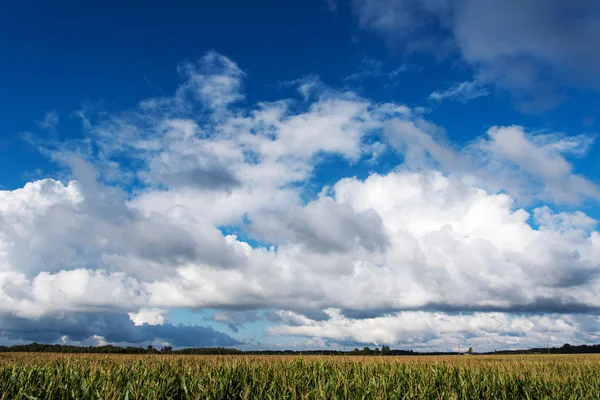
(112, 327)
(539, 306)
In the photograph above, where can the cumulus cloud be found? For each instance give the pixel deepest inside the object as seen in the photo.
(451, 247)
(139, 226)
(447, 332)
(150, 316)
(539, 159)
(531, 48)
(458, 243)
(528, 165)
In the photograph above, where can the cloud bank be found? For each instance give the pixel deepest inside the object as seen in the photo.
(199, 201)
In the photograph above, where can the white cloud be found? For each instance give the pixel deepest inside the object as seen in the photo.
(436, 331)
(217, 82)
(371, 68)
(150, 316)
(462, 92)
(432, 236)
(563, 221)
(528, 166)
(539, 159)
(442, 244)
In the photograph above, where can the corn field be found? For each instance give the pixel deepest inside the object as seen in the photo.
(92, 376)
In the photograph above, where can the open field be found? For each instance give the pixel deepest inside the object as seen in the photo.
(94, 376)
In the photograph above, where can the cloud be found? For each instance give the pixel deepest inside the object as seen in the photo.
(58, 233)
(397, 71)
(565, 221)
(448, 234)
(405, 240)
(216, 83)
(109, 327)
(150, 316)
(236, 319)
(531, 48)
(462, 92)
(539, 159)
(49, 122)
(185, 202)
(528, 166)
(322, 226)
(424, 331)
(371, 68)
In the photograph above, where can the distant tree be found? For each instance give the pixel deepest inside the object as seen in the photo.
(377, 351)
(470, 351)
(385, 350)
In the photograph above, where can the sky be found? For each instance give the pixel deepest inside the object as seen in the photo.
(316, 174)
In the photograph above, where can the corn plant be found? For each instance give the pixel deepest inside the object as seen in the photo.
(92, 376)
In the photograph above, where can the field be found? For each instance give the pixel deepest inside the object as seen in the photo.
(93, 376)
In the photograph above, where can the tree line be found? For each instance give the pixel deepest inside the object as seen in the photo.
(111, 349)
(564, 349)
(366, 351)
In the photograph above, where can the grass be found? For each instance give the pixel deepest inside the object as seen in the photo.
(93, 376)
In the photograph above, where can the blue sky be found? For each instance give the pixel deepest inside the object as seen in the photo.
(300, 174)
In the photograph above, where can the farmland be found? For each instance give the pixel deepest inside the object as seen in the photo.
(92, 376)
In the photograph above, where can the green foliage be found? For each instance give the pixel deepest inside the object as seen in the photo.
(56, 376)
(110, 349)
(385, 350)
